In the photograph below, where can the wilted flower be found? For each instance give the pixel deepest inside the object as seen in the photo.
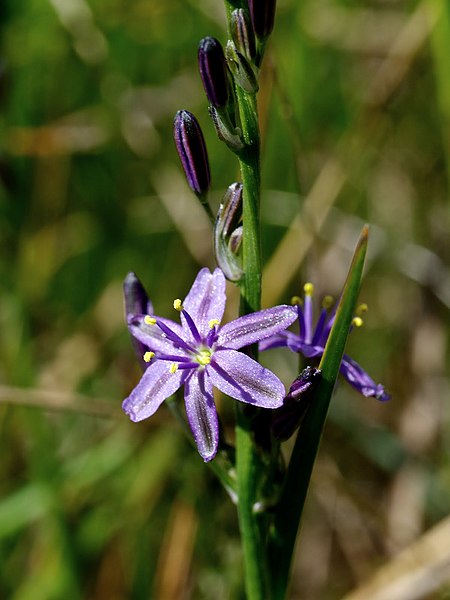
(242, 33)
(200, 354)
(287, 418)
(228, 232)
(243, 72)
(310, 342)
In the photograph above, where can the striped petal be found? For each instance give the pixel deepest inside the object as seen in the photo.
(153, 337)
(205, 301)
(242, 378)
(254, 327)
(156, 384)
(201, 413)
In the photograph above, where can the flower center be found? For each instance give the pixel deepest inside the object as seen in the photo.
(203, 357)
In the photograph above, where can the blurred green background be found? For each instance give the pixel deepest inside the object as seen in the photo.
(355, 118)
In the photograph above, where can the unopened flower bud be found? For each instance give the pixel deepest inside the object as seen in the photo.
(191, 149)
(136, 298)
(242, 33)
(228, 233)
(242, 70)
(226, 132)
(213, 71)
(136, 303)
(289, 417)
(262, 13)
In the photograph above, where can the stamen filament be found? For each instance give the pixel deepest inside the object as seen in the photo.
(174, 337)
(192, 326)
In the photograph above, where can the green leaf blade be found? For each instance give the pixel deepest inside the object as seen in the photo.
(290, 507)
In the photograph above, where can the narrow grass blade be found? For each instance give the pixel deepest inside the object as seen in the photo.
(289, 509)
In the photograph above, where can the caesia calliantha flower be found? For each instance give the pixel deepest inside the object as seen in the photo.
(201, 354)
(310, 342)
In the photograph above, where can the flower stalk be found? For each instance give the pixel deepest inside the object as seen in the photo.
(249, 467)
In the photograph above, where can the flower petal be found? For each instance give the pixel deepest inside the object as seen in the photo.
(295, 344)
(285, 338)
(156, 384)
(256, 326)
(205, 301)
(152, 336)
(242, 378)
(201, 413)
(361, 381)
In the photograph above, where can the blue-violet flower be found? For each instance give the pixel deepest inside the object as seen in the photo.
(200, 354)
(310, 342)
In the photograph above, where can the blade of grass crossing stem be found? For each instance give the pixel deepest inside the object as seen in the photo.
(289, 509)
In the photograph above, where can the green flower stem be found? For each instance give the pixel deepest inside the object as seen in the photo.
(249, 465)
(249, 470)
(250, 170)
(290, 506)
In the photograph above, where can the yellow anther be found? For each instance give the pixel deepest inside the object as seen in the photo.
(357, 321)
(178, 305)
(213, 322)
(308, 288)
(327, 302)
(362, 308)
(296, 301)
(148, 320)
(148, 356)
(204, 357)
(173, 368)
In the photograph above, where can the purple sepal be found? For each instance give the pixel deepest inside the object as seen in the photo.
(251, 328)
(242, 378)
(201, 414)
(361, 381)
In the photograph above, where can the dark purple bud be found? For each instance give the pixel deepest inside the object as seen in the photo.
(213, 71)
(262, 13)
(136, 303)
(136, 298)
(191, 149)
(242, 70)
(289, 417)
(225, 130)
(228, 233)
(242, 33)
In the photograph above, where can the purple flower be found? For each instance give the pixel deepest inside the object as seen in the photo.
(310, 342)
(200, 354)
